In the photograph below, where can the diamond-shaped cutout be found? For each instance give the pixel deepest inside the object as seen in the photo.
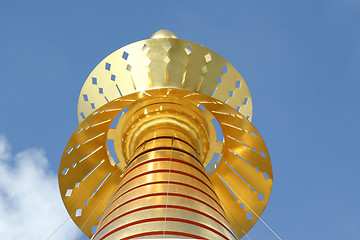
(147, 61)
(125, 55)
(208, 57)
(245, 101)
(101, 90)
(188, 50)
(167, 59)
(204, 69)
(68, 193)
(261, 197)
(78, 212)
(107, 66)
(65, 171)
(224, 69)
(167, 46)
(145, 48)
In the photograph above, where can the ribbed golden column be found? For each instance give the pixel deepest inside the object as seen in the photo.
(165, 147)
(164, 193)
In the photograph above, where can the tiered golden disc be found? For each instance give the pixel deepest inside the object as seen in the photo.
(159, 63)
(154, 101)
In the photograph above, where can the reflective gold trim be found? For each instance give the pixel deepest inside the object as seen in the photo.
(164, 63)
(86, 163)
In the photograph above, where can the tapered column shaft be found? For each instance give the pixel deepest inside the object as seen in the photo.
(165, 193)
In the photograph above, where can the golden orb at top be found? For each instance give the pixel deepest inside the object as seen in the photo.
(163, 33)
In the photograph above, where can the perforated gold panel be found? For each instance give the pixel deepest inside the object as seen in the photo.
(240, 170)
(168, 63)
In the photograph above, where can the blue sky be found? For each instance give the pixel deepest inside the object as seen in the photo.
(300, 60)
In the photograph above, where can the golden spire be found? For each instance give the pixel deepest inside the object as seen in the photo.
(165, 146)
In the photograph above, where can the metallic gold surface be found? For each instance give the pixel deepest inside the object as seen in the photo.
(164, 62)
(165, 147)
(163, 33)
(241, 173)
(161, 192)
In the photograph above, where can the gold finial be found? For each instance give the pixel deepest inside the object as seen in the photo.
(163, 33)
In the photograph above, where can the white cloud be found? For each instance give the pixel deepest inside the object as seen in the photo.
(30, 202)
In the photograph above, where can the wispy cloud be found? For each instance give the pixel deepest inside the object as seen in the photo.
(30, 203)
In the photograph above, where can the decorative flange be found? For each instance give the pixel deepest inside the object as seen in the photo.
(164, 62)
(236, 159)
